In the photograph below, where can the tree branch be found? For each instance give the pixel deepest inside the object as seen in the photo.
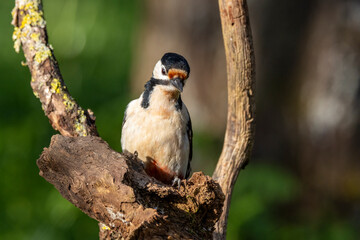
(109, 187)
(64, 113)
(115, 190)
(240, 130)
(107, 197)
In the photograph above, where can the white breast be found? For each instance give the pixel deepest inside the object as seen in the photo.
(158, 132)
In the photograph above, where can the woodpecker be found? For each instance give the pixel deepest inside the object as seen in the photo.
(157, 125)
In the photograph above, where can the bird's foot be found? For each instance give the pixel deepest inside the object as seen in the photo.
(176, 183)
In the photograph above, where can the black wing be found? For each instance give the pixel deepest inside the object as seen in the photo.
(190, 137)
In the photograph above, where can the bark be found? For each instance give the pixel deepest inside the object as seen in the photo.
(114, 189)
(109, 187)
(240, 130)
(64, 113)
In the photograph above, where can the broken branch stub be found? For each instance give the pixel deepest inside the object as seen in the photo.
(114, 189)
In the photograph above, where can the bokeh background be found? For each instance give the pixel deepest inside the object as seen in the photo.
(303, 181)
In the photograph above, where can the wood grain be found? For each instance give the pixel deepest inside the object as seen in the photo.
(240, 130)
(114, 189)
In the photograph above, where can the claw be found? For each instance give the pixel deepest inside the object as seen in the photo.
(176, 182)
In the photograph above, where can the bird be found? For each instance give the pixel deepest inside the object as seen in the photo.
(157, 125)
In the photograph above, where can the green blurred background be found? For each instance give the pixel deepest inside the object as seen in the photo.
(303, 180)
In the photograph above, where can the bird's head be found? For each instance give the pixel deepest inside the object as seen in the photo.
(174, 68)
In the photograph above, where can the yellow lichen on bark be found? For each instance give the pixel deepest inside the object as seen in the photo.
(32, 18)
(64, 113)
(80, 123)
(42, 53)
(69, 103)
(55, 86)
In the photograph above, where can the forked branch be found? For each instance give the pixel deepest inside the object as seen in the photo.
(112, 188)
(109, 187)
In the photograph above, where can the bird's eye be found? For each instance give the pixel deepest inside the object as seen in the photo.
(163, 71)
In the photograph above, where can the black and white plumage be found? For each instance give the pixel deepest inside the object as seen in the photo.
(157, 125)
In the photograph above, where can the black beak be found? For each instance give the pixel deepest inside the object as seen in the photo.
(178, 83)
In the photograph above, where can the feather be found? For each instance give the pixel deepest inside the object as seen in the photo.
(189, 132)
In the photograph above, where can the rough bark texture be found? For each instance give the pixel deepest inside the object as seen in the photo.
(240, 129)
(64, 113)
(114, 189)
